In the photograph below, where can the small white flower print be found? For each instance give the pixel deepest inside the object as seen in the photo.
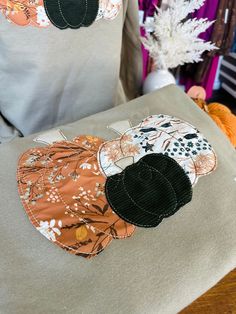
(86, 144)
(85, 165)
(53, 195)
(99, 189)
(93, 229)
(49, 230)
(42, 18)
(74, 175)
(31, 160)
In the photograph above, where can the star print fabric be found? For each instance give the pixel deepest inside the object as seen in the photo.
(161, 134)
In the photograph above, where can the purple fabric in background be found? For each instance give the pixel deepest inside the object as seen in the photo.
(148, 6)
(208, 10)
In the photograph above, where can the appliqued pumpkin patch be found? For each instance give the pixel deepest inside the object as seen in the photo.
(149, 190)
(62, 191)
(161, 134)
(71, 13)
(82, 194)
(61, 13)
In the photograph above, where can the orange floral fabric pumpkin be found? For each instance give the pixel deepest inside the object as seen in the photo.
(25, 12)
(62, 191)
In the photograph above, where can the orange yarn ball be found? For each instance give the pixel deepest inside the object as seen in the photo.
(225, 119)
(215, 106)
(222, 116)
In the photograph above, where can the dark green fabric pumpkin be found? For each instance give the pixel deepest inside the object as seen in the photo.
(71, 13)
(146, 192)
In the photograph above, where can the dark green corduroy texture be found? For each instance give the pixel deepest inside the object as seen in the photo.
(91, 15)
(71, 13)
(146, 192)
(53, 12)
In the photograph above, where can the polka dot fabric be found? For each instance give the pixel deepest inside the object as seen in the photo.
(161, 134)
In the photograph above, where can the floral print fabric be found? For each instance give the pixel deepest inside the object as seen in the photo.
(161, 134)
(25, 12)
(32, 12)
(109, 9)
(62, 191)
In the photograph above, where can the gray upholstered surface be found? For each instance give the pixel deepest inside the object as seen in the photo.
(156, 271)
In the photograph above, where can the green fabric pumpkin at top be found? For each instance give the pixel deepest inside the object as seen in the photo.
(71, 13)
(149, 190)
